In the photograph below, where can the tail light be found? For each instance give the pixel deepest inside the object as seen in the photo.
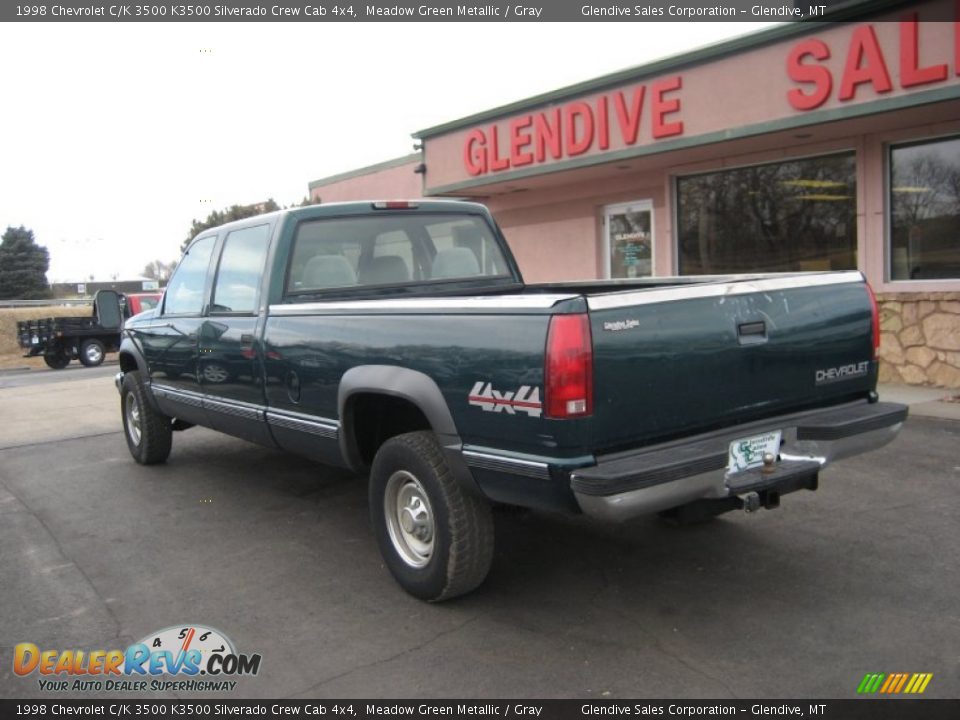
(569, 367)
(875, 310)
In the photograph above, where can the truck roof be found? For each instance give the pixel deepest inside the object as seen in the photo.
(357, 207)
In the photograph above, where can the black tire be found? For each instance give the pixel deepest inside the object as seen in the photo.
(92, 352)
(149, 434)
(410, 469)
(56, 361)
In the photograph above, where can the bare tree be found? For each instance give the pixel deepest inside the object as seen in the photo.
(159, 270)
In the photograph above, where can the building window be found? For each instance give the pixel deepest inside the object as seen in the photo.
(798, 215)
(925, 210)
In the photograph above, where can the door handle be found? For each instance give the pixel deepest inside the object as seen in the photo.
(752, 333)
(752, 328)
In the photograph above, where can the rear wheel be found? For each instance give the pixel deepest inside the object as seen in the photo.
(435, 537)
(56, 360)
(92, 352)
(149, 433)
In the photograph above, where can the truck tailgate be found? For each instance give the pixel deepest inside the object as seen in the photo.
(673, 361)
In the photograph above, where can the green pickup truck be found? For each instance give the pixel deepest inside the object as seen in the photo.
(399, 340)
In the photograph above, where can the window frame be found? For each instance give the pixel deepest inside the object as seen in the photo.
(206, 282)
(676, 177)
(907, 284)
(428, 287)
(258, 288)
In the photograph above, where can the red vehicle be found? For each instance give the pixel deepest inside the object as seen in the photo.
(136, 303)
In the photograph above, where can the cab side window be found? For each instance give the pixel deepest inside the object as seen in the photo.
(184, 295)
(241, 268)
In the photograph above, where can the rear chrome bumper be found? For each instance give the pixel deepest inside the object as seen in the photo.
(118, 381)
(634, 483)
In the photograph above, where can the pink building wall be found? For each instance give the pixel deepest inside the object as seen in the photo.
(747, 89)
(556, 232)
(392, 180)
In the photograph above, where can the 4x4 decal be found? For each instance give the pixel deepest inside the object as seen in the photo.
(526, 399)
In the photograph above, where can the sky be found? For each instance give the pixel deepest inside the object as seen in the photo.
(115, 137)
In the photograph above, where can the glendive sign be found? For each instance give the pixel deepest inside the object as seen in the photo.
(866, 65)
(838, 65)
(576, 127)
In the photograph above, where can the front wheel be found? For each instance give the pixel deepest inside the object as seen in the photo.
(92, 353)
(149, 434)
(435, 537)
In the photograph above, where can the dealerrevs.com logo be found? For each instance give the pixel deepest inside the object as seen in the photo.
(198, 657)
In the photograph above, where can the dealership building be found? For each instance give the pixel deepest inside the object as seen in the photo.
(802, 147)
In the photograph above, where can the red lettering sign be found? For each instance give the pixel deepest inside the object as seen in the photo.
(576, 128)
(816, 75)
(578, 119)
(663, 107)
(910, 71)
(865, 66)
(519, 139)
(475, 153)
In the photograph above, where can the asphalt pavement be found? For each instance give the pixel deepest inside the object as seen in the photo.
(276, 552)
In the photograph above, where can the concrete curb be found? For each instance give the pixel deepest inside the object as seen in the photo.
(923, 401)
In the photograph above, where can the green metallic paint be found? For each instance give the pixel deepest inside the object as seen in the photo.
(680, 370)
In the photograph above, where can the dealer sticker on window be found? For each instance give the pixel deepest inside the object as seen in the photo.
(748, 452)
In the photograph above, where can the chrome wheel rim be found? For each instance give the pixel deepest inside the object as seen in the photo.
(93, 353)
(132, 412)
(409, 517)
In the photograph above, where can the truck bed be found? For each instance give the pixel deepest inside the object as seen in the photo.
(46, 328)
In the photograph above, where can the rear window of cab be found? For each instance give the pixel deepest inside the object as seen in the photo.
(340, 254)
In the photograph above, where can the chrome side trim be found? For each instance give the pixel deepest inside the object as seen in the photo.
(770, 283)
(186, 397)
(502, 463)
(246, 411)
(320, 427)
(480, 302)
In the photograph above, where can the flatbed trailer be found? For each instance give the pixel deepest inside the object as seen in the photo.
(87, 339)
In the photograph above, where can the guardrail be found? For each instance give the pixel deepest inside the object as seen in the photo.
(51, 302)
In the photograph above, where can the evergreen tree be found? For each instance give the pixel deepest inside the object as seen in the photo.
(23, 266)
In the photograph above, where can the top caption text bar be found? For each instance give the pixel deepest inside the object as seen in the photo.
(400, 10)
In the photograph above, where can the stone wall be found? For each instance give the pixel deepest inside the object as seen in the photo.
(920, 338)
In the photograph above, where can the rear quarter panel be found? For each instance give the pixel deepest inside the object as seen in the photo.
(456, 351)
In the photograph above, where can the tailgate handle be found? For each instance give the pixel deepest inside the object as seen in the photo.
(752, 332)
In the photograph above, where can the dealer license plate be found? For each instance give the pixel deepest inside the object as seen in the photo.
(748, 452)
